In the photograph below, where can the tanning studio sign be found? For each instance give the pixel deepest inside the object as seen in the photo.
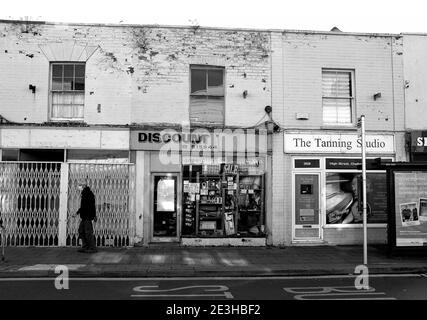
(337, 143)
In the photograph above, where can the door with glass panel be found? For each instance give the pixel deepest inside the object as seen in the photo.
(306, 216)
(165, 219)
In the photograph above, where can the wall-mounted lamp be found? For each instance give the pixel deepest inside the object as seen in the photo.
(32, 88)
(377, 95)
(245, 94)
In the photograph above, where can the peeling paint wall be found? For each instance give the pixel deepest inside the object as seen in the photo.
(22, 63)
(377, 65)
(133, 74)
(162, 59)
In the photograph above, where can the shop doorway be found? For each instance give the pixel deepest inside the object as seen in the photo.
(306, 207)
(165, 208)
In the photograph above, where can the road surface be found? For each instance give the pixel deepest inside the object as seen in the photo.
(381, 287)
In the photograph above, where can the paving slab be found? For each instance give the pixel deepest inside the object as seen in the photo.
(205, 261)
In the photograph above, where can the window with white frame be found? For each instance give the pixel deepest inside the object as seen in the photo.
(67, 91)
(337, 96)
(207, 101)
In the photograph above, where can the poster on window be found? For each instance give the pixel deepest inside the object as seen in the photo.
(306, 199)
(423, 209)
(409, 214)
(166, 195)
(344, 198)
(411, 208)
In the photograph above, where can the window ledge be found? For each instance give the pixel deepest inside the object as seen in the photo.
(355, 226)
(80, 120)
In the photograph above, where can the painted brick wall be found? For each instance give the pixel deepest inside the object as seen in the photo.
(281, 223)
(415, 62)
(134, 74)
(371, 59)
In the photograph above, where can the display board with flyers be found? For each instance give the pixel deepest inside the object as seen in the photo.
(410, 197)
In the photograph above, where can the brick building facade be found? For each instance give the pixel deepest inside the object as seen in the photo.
(103, 94)
(88, 94)
(328, 80)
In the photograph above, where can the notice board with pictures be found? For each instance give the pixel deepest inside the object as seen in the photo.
(407, 204)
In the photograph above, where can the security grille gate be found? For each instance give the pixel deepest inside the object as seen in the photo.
(38, 202)
(113, 186)
(29, 196)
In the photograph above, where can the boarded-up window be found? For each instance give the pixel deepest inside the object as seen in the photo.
(337, 97)
(207, 95)
(67, 91)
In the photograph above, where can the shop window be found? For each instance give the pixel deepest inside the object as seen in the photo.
(67, 91)
(223, 201)
(344, 198)
(207, 101)
(49, 155)
(337, 97)
(10, 154)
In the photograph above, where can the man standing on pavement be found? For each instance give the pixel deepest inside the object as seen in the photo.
(87, 213)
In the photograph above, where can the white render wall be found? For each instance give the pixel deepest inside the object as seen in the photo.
(133, 74)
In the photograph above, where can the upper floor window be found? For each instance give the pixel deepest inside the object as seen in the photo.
(67, 91)
(337, 96)
(207, 101)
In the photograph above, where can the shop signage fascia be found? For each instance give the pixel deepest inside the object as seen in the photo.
(65, 138)
(249, 141)
(337, 143)
(419, 142)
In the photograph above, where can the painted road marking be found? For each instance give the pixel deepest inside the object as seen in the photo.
(151, 291)
(336, 293)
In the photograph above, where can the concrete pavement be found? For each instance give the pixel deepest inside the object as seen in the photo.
(172, 261)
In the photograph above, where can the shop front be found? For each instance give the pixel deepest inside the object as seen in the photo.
(40, 170)
(326, 172)
(201, 187)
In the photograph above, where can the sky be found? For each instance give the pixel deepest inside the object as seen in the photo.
(371, 16)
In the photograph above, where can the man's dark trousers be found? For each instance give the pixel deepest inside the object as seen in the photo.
(86, 234)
